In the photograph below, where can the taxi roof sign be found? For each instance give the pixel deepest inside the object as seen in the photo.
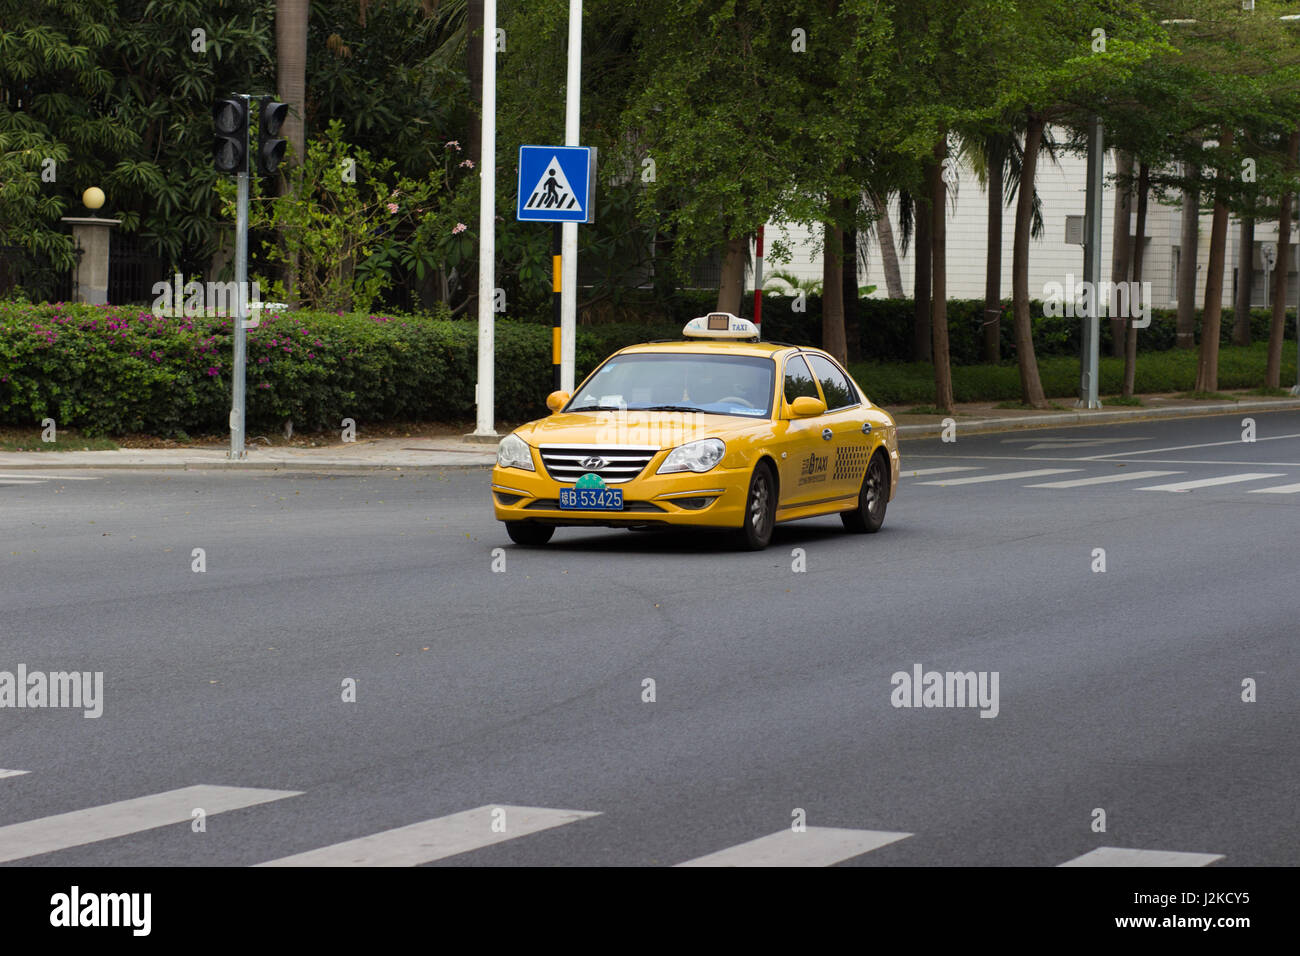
(720, 325)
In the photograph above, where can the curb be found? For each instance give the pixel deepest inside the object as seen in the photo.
(235, 466)
(49, 462)
(1074, 419)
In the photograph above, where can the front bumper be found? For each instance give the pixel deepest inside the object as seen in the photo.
(714, 499)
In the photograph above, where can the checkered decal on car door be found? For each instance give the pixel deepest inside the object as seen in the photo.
(851, 462)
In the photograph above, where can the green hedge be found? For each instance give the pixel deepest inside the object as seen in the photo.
(117, 370)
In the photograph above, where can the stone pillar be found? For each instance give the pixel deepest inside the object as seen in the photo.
(91, 235)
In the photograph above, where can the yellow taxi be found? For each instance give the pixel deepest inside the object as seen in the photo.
(718, 430)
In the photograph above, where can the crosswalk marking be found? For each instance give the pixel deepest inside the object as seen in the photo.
(1279, 490)
(435, 839)
(64, 830)
(918, 472)
(12, 773)
(1119, 856)
(1007, 476)
(1103, 479)
(816, 846)
(1211, 482)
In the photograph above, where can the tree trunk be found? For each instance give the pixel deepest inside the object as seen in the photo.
(731, 283)
(1277, 327)
(938, 191)
(852, 314)
(1245, 281)
(833, 339)
(993, 260)
(921, 282)
(1185, 336)
(888, 251)
(291, 74)
(1139, 248)
(474, 56)
(1031, 386)
(1207, 373)
(1119, 247)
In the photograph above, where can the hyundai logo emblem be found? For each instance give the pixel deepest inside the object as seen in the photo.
(592, 464)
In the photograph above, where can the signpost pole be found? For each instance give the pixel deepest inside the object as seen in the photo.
(237, 403)
(484, 392)
(569, 243)
(1090, 359)
(758, 281)
(557, 285)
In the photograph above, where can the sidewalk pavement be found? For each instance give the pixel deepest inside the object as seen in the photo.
(445, 453)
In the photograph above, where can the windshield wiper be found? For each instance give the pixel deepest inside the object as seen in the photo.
(596, 408)
(666, 408)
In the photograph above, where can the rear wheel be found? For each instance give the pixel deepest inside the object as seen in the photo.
(760, 510)
(529, 533)
(869, 515)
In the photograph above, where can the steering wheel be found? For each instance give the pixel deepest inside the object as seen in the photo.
(735, 400)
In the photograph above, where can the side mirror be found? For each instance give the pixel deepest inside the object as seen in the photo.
(805, 406)
(557, 400)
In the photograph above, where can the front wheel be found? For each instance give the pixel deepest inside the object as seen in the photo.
(869, 515)
(529, 533)
(760, 510)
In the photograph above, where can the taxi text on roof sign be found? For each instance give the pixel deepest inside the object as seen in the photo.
(720, 325)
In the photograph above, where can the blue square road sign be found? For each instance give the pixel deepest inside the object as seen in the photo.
(556, 184)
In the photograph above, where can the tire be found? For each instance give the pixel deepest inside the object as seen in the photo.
(760, 510)
(873, 498)
(529, 533)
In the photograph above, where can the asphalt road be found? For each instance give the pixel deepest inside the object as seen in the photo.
(523, 688)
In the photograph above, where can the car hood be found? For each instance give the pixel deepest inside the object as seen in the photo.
(660, 429)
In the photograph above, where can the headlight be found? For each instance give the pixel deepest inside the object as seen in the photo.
(513, 452)
(694, 456)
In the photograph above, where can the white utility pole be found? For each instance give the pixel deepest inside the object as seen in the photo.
(569, 233)
(484, 391)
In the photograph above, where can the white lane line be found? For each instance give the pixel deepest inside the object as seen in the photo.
(12, 773)
(1103, 479)
(1211, 482)
(28, 474)
(1118, 856)
(22, 481)
(1007, 476)
(1208, 444)
(816, 846)
(47, 834)
(1279, 490)
(917, 472)
(435, 839)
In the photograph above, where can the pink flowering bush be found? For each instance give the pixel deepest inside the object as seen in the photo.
(114, 370)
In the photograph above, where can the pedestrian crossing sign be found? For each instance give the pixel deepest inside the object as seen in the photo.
(556, 184)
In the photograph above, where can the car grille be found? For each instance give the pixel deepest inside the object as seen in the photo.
(622, 463)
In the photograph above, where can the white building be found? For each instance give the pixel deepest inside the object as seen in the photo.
(1061, 188)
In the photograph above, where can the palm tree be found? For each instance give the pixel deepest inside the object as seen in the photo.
(291, 81)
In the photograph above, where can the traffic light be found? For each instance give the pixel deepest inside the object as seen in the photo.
(270, 150)
(230, 145)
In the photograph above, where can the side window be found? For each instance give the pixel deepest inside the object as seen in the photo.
(837, 389)
(798, 380)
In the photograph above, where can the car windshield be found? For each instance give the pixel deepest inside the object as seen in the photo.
(681, 382)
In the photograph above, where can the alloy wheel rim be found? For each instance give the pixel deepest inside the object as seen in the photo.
(758, 506)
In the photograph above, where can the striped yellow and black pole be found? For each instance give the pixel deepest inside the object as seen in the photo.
(556, 272)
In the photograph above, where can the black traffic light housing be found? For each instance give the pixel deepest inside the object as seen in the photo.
(270, 149)
(230, 141)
